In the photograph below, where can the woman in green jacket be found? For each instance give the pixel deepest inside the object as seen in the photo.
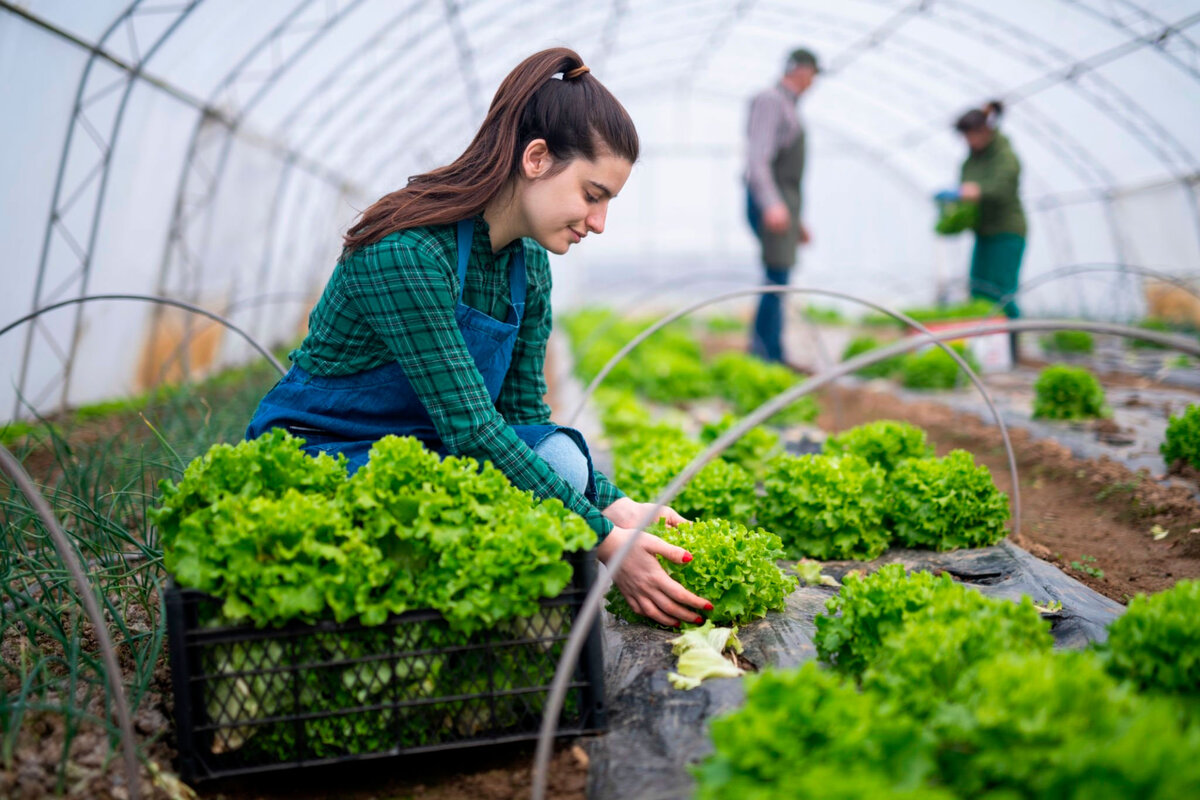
(991, 177)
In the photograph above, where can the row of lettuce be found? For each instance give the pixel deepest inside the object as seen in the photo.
(928, 689)
(873, 486)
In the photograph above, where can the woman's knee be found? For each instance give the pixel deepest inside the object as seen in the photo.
(564, 456)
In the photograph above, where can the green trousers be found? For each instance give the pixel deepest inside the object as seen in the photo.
(995, 266)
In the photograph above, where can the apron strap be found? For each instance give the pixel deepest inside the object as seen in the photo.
(516, 275)
(516, 278)
(466, 231)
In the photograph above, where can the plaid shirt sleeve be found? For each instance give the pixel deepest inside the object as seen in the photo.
(606, 492)
(406, 289)
(522, 396)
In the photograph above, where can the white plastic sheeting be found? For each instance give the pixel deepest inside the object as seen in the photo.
(214, 150)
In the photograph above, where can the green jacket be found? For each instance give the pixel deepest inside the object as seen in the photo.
(998, 173)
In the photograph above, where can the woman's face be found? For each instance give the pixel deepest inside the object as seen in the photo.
(562, 208)
(978, 138)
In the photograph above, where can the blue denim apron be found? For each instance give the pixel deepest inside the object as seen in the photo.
(349, 413)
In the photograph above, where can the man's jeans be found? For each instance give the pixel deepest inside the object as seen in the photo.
(767, 339)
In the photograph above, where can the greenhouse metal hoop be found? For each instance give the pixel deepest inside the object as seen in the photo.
(12, 467)
(780, 290)
(149, 298)
(591, 605)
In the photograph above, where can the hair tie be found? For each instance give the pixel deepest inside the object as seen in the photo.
(582, 69)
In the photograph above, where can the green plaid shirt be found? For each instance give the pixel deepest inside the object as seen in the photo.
(395, 299)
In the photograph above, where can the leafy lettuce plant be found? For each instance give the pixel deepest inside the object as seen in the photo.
(935, 369)
(1182, 440)
(732, 566)
(486, 550)
(810, 733)
(266, 467)
(667, 367)
(826, 507)
(669, 374)
(1068, 342)
(946, 503)
(884, 442)
(1068, 393)
(748, 382)
(408, 531)
(621, 412)
(920, 663)
(1155, 644)
(645, 466)
(880, 369)
(273, 560)
(753, 452)
(868, 609)
(1057, 725)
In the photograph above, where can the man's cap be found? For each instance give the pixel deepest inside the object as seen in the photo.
(803, 57)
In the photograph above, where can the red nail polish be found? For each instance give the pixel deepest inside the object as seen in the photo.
(687, 557)
(708, 606)
(699, 620)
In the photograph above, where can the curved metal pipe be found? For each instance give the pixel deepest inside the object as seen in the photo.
(12, 467)
(149, 298)
(591, 605)
(759, 290)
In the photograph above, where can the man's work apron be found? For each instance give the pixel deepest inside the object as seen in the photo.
(787, 170)
(349, 413)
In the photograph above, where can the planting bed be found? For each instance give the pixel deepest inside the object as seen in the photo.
(1073, 507)
(656, 732)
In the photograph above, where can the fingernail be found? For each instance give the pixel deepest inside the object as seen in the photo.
(708, 606)
(687, 557)
(698, 619)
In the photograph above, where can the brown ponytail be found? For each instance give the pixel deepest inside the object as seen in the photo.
(576, 116)
(978, 118)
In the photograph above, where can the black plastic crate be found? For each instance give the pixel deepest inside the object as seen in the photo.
(251, 700)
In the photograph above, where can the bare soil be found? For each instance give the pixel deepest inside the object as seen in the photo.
(500, 774)
(1095, 514)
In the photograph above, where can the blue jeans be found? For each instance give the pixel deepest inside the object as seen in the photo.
(564, 457)
(767, 339)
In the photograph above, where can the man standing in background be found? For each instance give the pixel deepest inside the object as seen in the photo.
(775, 168)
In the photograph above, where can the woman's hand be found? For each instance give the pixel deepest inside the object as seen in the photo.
(970, 191)
(626, 513)
(650, 591)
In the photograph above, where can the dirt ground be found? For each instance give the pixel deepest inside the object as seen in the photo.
(502, 774)
(1095, 514)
